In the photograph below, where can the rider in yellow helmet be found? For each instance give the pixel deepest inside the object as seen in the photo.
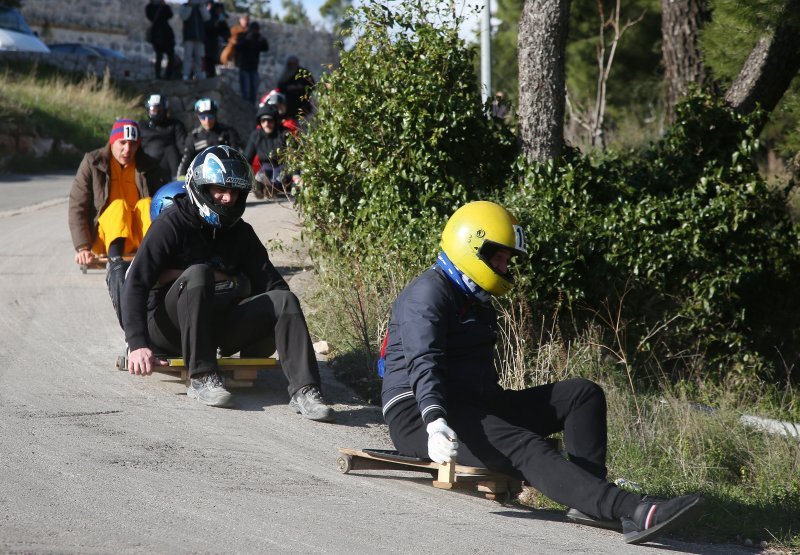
(441, 397)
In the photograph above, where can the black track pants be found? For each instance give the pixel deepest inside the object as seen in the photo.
(188, 322)
(508, 435)
(115, 280)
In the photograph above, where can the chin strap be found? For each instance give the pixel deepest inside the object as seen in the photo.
(461, 280)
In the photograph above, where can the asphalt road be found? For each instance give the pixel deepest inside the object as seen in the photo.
(93, 460)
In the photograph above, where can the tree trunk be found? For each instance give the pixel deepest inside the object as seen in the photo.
(771, 66)
(542, 42)
(681, 22)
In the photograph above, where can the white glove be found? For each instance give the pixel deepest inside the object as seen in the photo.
(442, 442)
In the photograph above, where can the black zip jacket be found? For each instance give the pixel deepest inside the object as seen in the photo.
(200, 139)
(164, 140)
(249, 47)
(440, 346)
(266, 146)
(177, 239)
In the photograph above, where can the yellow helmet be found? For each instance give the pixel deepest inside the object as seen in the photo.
(473, 234)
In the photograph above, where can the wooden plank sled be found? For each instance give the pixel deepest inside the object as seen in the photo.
(239, 372)
(494, 485)
(100, 263)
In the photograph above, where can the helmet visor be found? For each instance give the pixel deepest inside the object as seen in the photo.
(498, 258)
(233, 174)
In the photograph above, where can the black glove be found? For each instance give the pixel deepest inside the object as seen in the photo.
(230, 292)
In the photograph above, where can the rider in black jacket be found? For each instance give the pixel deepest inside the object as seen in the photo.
(441, 398)
(210, 132)
(163, 137)
(200, 246)
(266, 142)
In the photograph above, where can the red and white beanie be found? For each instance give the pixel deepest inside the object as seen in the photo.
(126, 130)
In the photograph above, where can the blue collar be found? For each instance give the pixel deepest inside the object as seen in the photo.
(461, 280)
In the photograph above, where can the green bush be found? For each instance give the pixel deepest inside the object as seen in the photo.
(681, 250)
(399, 140)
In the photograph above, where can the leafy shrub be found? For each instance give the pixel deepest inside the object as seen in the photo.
(399, 140)
(682, 250)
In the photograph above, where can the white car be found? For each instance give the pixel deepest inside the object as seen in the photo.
(16, 35)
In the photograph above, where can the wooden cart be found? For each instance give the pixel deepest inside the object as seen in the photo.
(493, 485)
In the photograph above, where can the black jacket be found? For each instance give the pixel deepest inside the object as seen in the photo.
(194, 16)
(441, 344)
(200, 139)
(164, 140)
(249, 48)
(177, 239)
(266, 146)
(297, 87)
(159, 15)
(216, 30)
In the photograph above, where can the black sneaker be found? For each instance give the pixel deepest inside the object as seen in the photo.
(308, 401)
(576, 516)
(653, 518)
(209, 390)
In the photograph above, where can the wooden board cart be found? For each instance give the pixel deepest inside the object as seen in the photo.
(100, 263)
(239, 372)
(493, 485)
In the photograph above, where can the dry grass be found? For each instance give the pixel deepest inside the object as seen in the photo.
(74, 110)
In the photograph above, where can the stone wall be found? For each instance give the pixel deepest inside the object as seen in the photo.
(121, 24)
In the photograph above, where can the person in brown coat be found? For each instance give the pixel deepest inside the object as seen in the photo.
(229, 52)
(109, 203)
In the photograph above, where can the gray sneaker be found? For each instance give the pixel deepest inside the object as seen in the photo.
(308, 401)
(209, 390)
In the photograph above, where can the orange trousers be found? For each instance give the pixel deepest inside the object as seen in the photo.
(120, 220)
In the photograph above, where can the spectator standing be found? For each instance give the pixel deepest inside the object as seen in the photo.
(499, 109)
(217, 31)
(194, 15)
(161, 36)
(249, 48)
(296, 84)
(229, 52)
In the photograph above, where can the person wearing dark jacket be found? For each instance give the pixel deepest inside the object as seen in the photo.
(200, 245)
(297, 84)
(441, 397)
(210, 132)
(266, 142)
(194, 15)
(217, 31)
(162, 37)
(163, 137)
(248, 49)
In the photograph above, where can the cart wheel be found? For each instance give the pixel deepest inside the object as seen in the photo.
(344, 463)
(122, 362)
(84, 268)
